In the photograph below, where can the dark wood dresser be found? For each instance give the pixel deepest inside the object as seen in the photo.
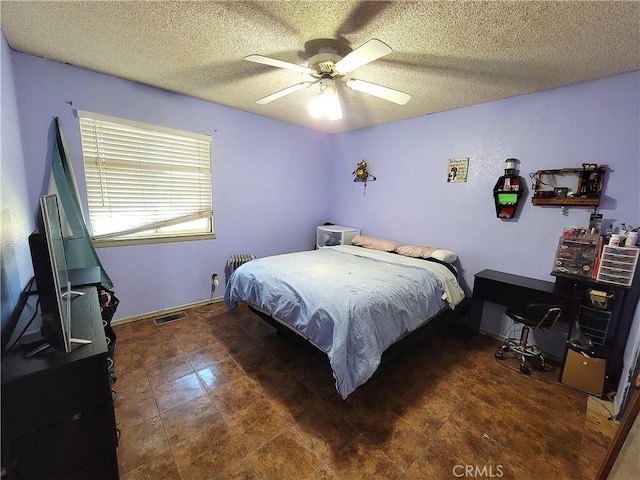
(57, 409)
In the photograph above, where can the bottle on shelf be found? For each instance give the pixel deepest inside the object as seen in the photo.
(608, 233)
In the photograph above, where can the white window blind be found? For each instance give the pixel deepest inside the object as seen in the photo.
(145, 181)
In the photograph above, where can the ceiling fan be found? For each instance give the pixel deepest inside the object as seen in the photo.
(326, 67)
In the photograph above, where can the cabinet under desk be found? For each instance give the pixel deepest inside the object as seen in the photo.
(512, 290)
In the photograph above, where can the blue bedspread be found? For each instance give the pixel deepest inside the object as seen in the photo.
(351, 302)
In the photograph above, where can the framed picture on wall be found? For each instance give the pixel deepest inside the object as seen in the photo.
(457, 170)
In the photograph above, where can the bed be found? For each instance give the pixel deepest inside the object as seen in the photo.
(351, 302)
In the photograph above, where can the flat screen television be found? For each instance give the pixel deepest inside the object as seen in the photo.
(52, 277)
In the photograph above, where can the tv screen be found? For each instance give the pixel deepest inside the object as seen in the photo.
(52, 276)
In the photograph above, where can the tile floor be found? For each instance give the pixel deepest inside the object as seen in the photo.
(219, 395)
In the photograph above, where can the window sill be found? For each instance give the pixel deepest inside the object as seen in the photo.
(148, 241)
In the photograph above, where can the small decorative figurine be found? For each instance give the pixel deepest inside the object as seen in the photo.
(361, 174)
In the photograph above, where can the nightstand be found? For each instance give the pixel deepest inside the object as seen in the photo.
(330, 235)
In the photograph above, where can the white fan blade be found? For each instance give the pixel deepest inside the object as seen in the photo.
(395, 96)
(366, 53)
(286, 91)
(272, 62)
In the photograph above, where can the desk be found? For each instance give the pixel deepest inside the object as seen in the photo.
(513, 291)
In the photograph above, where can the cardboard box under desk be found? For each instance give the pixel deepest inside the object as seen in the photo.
(584, 373)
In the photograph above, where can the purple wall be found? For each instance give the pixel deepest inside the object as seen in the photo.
(17, 219)
(269, 178)
(273, 182)
(594, 122)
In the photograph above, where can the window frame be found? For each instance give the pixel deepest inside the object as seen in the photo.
(194, 157)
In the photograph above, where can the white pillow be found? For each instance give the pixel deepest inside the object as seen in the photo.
(443, 255)
(417, 251)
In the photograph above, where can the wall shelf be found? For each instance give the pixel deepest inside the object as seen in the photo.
(506, 195)
(583, 185)
(566, 201)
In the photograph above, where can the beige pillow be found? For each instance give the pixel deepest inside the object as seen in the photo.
(375, 243)
(417, 251)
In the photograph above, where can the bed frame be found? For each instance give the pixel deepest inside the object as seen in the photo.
(445, 317)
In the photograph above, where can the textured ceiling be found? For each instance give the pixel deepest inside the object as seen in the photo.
(445, 54)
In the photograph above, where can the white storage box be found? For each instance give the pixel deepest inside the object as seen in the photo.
(617, 265)
(330, 235)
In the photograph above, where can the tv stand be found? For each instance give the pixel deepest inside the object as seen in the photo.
(45, 346)
(41, 348)
(72, 292)
(57, 409)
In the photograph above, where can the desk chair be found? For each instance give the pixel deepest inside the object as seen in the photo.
(532, 316)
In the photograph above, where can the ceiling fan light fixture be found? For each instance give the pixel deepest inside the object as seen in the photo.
(327, 66)
(327, 102)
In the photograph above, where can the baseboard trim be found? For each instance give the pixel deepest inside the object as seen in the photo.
(166, 311)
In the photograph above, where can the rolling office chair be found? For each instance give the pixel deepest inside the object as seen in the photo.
(532, 316)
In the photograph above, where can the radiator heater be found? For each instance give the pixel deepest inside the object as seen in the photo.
(236, 260)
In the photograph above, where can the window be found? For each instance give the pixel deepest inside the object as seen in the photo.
(145, 183)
